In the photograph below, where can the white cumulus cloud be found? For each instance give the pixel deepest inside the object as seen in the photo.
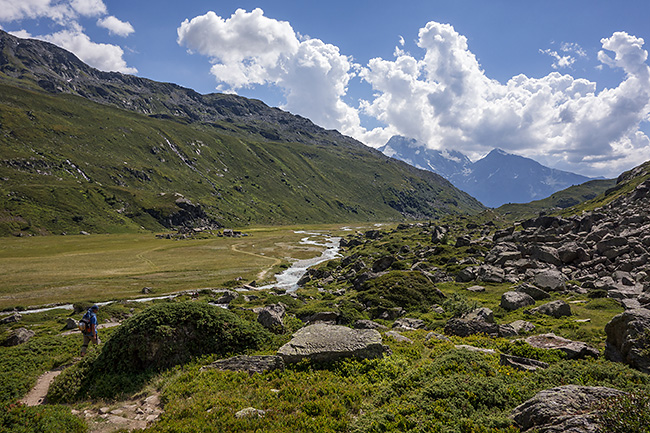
(446, 100)
(249, 48)
(106, 57)
(560, 61)
(115, 26)
(66, 14)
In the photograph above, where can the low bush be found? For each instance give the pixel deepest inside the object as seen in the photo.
(21, 365)
(626, 414)
(158, 338)
(172, 333)
(458, 304)
(407, 289)
(39, 419)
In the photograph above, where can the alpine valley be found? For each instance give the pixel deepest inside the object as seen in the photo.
(449, 317)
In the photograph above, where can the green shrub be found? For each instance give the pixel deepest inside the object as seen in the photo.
(39, 419)
(525, 350)
(172, 333)
(21, 365)
(626, 414)
(158, 338)
(407, 289)
(458, 304)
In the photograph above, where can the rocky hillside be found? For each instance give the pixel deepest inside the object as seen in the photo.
(85, 150)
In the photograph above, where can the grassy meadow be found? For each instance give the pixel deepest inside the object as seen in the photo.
(425, 385)
(54, 269)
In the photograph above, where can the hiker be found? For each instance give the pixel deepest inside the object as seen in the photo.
(90, 331)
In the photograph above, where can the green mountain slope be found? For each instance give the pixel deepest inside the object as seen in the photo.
(69, 164)
(82, 149)
(566, 198)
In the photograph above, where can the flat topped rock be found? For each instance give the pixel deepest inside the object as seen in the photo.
(573, 349)
(569, 408)
(326, 343)
(250, 364)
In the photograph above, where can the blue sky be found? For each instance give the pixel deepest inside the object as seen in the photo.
(563, 82)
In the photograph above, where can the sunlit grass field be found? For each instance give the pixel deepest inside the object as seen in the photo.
(51, 269)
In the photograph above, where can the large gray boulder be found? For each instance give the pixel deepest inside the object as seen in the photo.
(271, 317)
(326, 343)
(573, 349)
(550, 279)
(546, 254)
(227, 297)
(483, 313)
(490, 274)
(18, 336)
(465, 328)
(628, 339)
(570, 409)
(515, 300)
(523, 364)
(555, 309)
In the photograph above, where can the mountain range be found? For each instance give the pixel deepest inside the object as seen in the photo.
(496, 179)
(93, 151)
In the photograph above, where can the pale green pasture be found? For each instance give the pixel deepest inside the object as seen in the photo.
(49, 269)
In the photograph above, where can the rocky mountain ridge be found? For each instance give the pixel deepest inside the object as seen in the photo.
(155, 155)
(496, 179)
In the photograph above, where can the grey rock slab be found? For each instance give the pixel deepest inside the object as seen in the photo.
(250, 364)
(550, 279)
(465, 328)
(271, 316)
(534, 292)
(18, 336)
(573, 349)
(555, 309)
(367, 324)
(567, 409)
(326, 343)
(522, 326)
(515, 300)
(398, 337)
(523, 364)
(483, 313)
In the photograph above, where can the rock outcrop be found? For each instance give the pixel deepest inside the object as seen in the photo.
(568, 408)
(327, 343)
(18, 336)
(572, 349)
(250, 364)
(628, 339)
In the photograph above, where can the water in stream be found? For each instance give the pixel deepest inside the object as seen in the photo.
(287, 280)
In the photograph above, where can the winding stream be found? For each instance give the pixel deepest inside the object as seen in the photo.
(287, 280)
